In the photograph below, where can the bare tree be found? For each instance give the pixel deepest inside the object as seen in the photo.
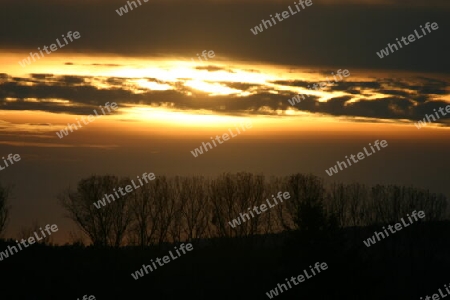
(306, 203)
(357, 195)
(154, 208)
(337, 203)
(165, 199)
(249, 193)
(145, 215)
(77, 238)
(195, 208)
(232, 197)
(434, 205)
(26, 232)
(105, 226)
(5, 193)
(223, 194)
(380, 204)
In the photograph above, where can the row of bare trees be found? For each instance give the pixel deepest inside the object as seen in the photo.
(358, 205)
(184, 208)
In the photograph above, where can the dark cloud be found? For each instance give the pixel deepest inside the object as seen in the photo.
(71, 80)
(106, 65)
(349, 39)
(241, 86)
(39, 124)
(401, 101)
(395, 93)
(301, 83)
(115, 80)
(428, 109)
(211, 68)
(41, 76)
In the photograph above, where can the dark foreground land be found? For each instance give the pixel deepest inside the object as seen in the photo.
(409, 264)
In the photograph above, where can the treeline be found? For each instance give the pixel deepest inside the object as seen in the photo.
(174, 209)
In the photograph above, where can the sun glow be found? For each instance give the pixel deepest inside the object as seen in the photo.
(169, 117)
(214, 89)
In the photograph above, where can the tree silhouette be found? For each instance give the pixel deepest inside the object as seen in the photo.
(307, 197)
(107, 225)
(5, 193)
(26, 232)
(185, 208)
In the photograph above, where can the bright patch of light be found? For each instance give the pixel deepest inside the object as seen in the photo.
(213, 88)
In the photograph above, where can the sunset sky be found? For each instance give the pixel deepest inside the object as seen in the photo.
(169, 104)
